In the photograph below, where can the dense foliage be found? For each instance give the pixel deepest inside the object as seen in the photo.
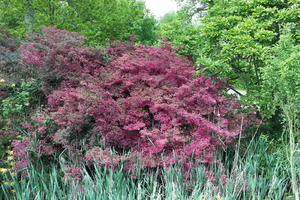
(236, 34)
(99, 20)
(233, 38)
(282, 75)
(184, 36)
(139, 99)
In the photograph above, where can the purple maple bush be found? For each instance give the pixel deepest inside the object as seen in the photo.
(144, 102)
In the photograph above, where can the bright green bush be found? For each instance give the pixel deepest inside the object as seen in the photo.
(15, 108)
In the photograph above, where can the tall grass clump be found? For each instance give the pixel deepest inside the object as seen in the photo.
(245, 178)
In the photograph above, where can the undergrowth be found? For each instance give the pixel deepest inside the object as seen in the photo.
(241, 176)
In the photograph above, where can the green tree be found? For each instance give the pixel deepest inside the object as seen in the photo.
(99, 20)
(182, 34)
(236, 35)
(281, 86)
(168, 17)
(192, 9)
(145, 29)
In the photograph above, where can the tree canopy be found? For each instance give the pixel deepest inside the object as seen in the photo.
(98, 20)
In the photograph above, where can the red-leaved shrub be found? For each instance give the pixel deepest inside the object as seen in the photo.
(142, 100)
(56, 56)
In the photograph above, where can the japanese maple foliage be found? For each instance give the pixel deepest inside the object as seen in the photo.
(58, 55)
(142, 100)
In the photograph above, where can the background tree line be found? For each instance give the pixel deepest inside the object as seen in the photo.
(98, 20)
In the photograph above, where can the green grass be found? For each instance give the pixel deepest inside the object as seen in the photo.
(255, 174)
